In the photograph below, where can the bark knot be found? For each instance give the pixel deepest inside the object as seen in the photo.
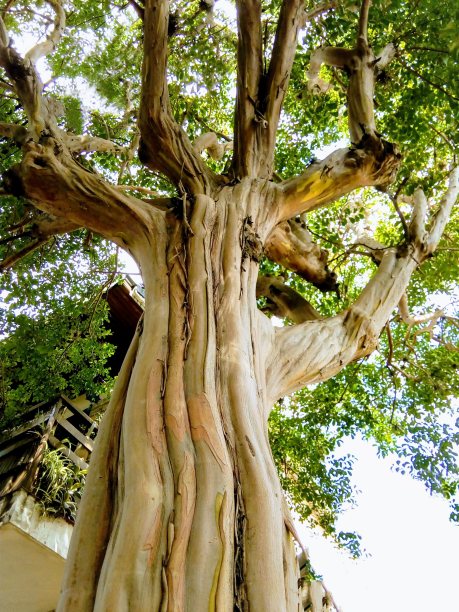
(250, 241)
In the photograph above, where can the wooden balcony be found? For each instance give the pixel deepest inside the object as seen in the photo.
(33, 544)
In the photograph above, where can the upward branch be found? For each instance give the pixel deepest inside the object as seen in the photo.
(164, 146)
(363, 22)
(249, 120)
(316, 350)
(276, 83)
(361, 65)
(45, 48)
(24, 76)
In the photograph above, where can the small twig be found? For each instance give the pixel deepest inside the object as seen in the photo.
(443, 137)
(445, 51)
(391, 345)
(394, 200)
(426, 80)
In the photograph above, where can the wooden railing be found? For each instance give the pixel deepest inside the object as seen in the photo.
(59, 424)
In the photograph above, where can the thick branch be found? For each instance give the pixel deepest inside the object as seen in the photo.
(89, 144)
(209, 142)
(39, 233)
(316, 350)
(370, 163)
(285, 302)
(361, 65)
(27, 85)
(17, 133)
(442, 215)
(59, 186)
(291, 246)
(275, 87)
(249, 120)
(48, 46)
(164, 146)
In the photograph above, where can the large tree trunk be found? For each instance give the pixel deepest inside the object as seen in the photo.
(183, 500)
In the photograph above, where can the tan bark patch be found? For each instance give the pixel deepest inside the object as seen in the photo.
(204, 428)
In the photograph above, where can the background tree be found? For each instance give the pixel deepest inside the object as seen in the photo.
(225, 118)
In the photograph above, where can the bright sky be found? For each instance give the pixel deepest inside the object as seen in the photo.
(414, 548)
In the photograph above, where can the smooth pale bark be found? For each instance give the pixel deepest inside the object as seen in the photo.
(185, 438)
(193, 448)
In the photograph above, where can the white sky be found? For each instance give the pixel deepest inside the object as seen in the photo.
(414, 548)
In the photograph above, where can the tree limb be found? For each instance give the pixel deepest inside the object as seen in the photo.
(316, 350)
(361, 65)
(363, 21)
(164, 146)
(291, 246)
(249, 120)
(411, 320)
(370, 163)
(209, 142)
(40, 233)
(285, 302)
(318, 10)
(441, 217)
(274, 87)
(56, 184)
(16, 132)
(88, 144)
(27, 85)
(48, 46)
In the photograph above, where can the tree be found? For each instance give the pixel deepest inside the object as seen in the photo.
(183, 508)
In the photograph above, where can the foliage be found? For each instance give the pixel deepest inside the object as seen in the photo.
(59, 485)
(402, 398)
(55, 325)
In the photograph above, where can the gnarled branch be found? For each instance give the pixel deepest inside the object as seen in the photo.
(285, 302)
(164, 146)
(249, 118)
(316, 350)
(27, 85)
(209, 142)
(372, 162)
(59, 186)
(362, 66)
(291, 246)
